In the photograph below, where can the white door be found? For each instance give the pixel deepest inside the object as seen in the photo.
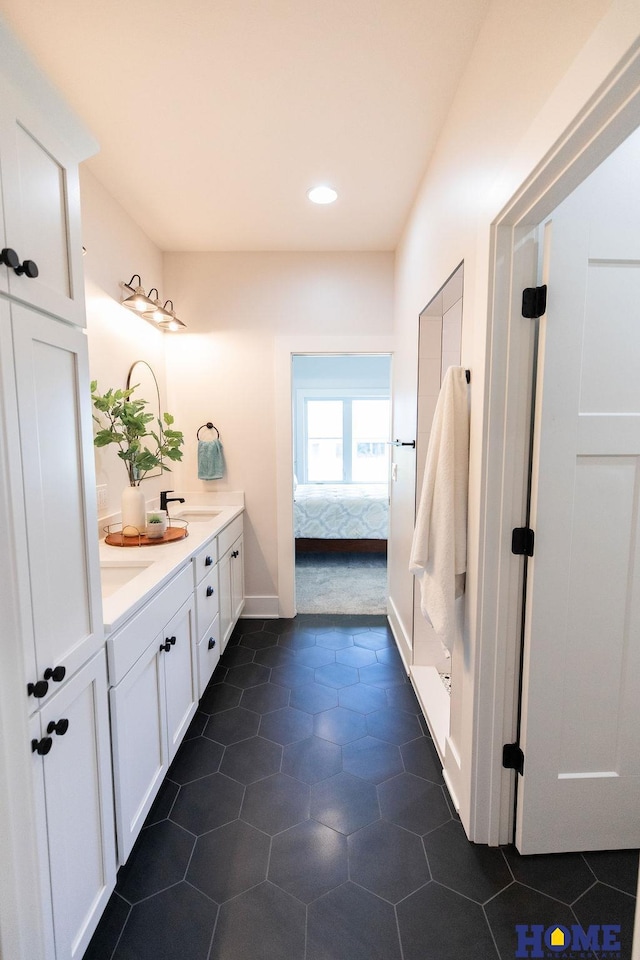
(580, 736)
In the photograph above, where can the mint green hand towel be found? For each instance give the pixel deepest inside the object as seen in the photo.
(210, 460)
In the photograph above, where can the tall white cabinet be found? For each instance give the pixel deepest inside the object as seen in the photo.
(47, 505)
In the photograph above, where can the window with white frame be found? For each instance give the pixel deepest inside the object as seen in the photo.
(345, 437)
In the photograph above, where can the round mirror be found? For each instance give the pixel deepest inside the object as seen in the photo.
(142, 377)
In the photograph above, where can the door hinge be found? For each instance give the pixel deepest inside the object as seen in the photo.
(512, 757)
(534, 302)
(522, 541)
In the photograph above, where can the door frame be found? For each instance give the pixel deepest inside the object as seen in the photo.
(607, 119)
(285, 348)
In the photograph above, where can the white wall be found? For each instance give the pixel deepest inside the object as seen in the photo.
(117, 248)
(499, 128)
(238, 306)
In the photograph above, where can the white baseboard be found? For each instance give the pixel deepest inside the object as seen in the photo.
(402, 638)
(435, 703)
(261, 608)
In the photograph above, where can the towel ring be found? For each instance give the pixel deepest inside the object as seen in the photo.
(209, 426)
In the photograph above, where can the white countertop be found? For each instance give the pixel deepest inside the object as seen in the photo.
(158, 564)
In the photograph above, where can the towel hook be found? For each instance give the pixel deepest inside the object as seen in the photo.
(209, 426)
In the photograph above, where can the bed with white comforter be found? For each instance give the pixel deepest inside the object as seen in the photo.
(347, 511)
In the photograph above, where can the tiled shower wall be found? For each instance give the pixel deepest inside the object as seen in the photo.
(439, 347)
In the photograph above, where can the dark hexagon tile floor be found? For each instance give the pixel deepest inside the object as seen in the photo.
(305, 817)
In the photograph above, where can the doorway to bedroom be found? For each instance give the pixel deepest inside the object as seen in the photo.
(341, 413)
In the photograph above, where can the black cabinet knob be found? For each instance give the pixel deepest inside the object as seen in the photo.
(29, 268)
(208, 561)
(236, 553)
(41, 747)
(212, 643)
(210, 591)
(9, 258)
(165, 646)
(171, 640)
(60, 728)
(38, 690)
(56, 673)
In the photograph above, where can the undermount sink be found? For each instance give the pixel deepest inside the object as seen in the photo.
(114, 574)
(195, 515)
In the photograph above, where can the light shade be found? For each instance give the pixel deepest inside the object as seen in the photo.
(157, 312)
(322, 194)
(138, 300)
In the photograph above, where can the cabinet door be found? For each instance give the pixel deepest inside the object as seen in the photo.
(208, 654)
(52, 383)
(139, 741)
(181, 674)
(237, 579)
(41, 200)
(224, 579)
(79, 805)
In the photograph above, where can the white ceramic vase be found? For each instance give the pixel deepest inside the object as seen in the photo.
(133, 509)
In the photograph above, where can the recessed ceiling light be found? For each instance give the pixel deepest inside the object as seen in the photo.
(322, 194)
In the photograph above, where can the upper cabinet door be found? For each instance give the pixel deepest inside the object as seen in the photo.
(54, 411)
(41, 201)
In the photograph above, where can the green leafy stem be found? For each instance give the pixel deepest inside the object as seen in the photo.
(124, 421)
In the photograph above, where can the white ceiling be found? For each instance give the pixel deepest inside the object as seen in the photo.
(215, 116)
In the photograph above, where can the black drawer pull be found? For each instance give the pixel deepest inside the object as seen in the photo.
(210, 591)
(212, 643)
(38, 690)
(57, 673)
(165, 646)
(60, 728)
(208, 561)
(41, 747)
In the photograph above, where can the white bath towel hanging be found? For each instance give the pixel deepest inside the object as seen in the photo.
(439, 548)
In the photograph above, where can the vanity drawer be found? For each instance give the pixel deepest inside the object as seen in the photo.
(208, 654)
(128, 643)
(229, 535)
(205, 559)
(207, 601)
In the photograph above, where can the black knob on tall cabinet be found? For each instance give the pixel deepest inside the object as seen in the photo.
(38, 690)
(208, 561)
(9, 258)
(209, 591)
(41, 747)
(55, 673)
(60, 728)
(165, 646)
(29, 268)
(212, 643)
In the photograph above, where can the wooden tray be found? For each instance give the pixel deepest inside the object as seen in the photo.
(118, 539)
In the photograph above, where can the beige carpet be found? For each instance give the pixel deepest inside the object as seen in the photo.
(341, 583)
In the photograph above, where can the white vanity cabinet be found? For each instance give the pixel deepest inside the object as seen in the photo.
(41, 206)
(71, 757)
(153, 696)
(231, 577)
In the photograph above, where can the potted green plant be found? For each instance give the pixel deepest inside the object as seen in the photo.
(126, 422)
(156, 524)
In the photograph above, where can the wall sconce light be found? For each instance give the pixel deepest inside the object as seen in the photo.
(149, 308)
(171, 322)
(138, 300)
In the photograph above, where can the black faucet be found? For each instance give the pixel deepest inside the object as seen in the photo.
(164, 499)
